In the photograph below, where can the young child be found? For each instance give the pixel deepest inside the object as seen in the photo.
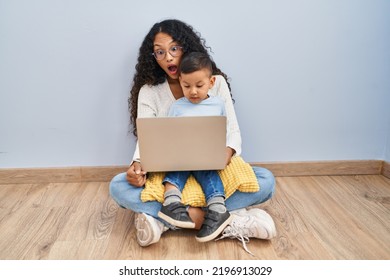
(196, 79)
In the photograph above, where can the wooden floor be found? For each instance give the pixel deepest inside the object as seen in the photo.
(322, 217)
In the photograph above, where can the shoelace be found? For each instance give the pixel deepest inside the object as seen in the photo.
(232, 232)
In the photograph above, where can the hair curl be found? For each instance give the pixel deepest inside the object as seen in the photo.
(148, 72)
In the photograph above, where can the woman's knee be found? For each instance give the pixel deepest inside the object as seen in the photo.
(122, 192)
(116, 184)
(266, 180)
(129, 197)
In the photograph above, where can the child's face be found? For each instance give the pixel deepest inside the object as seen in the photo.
(196, 85)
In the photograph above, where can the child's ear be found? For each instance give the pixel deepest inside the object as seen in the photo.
(212, 81)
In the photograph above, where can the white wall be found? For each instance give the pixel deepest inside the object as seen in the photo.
(310, 78)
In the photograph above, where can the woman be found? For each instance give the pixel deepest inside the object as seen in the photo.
(155, 87)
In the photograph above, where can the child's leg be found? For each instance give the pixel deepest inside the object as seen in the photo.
(211, 184)
(217, 217)
(171, 194)
(174, 183)
(217, 204)
(173, 211)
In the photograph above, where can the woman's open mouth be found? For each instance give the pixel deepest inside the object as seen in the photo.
(172, 69)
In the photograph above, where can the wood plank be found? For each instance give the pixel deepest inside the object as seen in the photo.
(317, 217)
(295, 239)
(333, 209)
(30, 235)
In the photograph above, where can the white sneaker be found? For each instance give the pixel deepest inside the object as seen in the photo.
(250, 223)
(266, 227)
(253, 223)
(149, 229)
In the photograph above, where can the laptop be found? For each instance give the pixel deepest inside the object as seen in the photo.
(182, 143)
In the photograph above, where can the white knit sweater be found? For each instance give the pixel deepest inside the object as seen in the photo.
(155, 101)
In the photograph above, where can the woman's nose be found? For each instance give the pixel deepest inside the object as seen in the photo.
(168, 57)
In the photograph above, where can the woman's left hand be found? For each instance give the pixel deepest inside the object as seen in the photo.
(229, 153)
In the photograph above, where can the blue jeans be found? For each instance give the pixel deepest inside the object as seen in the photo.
(129, 197)
(209, 180)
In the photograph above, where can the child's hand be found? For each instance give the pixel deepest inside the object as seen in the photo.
(135, 175)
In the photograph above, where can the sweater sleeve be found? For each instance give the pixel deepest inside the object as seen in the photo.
(145, 108)
(233, 138)
(153, 101)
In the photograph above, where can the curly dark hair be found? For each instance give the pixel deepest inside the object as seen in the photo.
(148, 72)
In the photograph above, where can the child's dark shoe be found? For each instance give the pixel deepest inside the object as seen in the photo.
(214, 223)
(176, 214)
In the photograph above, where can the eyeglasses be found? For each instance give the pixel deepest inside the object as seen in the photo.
(173, 51)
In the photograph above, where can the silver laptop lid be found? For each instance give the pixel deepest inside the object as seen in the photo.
(182, 143)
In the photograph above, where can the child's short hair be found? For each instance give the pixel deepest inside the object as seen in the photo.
(195, 61)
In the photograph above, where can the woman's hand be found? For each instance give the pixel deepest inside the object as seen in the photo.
(229, 153)
(135, 176)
